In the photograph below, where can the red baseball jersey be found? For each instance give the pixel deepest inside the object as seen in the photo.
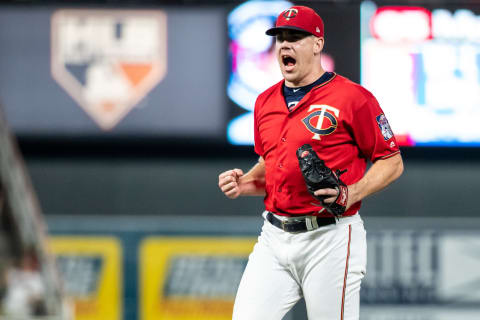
(340, 119)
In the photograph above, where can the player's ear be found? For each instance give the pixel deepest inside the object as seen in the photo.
(318, 44)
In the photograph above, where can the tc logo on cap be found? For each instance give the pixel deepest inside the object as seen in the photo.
(290, 13)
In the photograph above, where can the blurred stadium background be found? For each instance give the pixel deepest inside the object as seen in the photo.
(118, 116)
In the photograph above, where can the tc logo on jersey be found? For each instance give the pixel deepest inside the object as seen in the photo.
(321, 122)
(108, 60)
(384, 127)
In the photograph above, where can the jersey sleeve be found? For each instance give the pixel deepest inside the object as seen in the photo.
(258, 147)
(372, 131)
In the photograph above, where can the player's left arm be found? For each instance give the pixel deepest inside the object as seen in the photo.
(382, 173)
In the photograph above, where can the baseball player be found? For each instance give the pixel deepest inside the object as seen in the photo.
(306, 249)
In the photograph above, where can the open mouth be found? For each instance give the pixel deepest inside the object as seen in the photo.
(288, 61)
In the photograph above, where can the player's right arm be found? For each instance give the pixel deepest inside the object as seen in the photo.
(234, 183)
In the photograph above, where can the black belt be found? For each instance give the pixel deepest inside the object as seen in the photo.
(300, 224)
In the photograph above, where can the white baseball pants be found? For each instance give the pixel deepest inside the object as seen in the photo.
(325, 266)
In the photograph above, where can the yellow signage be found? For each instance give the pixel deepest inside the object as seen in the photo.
(91, 268)
(186, 278)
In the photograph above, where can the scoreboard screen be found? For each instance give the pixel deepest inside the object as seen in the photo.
(423, 65)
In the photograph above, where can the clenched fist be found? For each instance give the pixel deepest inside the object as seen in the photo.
(228, 182)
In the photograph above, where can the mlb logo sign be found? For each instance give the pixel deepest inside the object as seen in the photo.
(108, 60)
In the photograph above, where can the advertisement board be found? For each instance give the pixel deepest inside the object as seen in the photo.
(186, 278)
(91, 269)
(416, 269)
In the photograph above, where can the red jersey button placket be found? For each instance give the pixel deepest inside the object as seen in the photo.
(280, 155)
(281, 151)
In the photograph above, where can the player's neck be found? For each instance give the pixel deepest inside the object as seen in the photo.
(305, 81)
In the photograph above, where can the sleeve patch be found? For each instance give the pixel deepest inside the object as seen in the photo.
(384, 127)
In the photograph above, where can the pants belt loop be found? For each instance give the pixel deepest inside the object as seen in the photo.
(265, 213)
(314, 222)
(309, 223)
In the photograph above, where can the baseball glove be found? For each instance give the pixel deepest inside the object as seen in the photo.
(318, 176)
